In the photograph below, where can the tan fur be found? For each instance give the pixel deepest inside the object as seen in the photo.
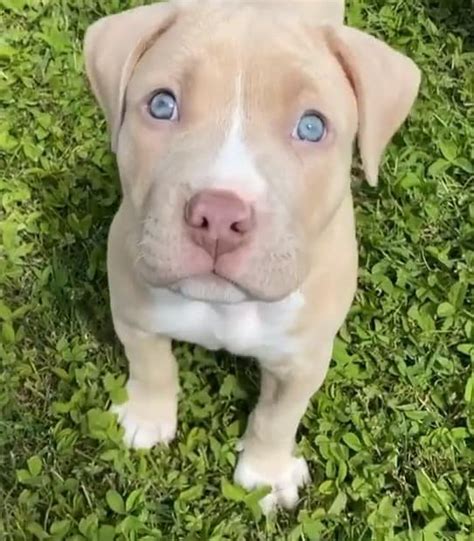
(271, 61)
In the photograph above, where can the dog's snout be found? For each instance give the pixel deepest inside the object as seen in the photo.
(219, 221)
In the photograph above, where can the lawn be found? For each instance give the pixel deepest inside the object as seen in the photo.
(390, 437)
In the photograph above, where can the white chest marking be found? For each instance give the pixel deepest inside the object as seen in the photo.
(251, 328)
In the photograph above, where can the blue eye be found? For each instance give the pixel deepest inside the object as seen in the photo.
(163, 106)
(311, 127)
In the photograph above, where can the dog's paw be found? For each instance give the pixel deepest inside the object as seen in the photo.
(283, 480)
(147, 419)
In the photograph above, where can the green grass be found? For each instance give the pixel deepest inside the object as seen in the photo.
(390, 437)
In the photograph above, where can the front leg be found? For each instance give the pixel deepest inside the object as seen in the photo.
(267, 448)
(150, 414)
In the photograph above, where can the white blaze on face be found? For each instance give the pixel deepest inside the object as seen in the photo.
(234, 167)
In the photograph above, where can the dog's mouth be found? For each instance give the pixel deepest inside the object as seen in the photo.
(211, 287)
(232, 278)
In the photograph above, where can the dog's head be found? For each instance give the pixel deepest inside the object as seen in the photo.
(233, 123)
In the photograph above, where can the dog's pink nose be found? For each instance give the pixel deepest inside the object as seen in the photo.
(219, 221)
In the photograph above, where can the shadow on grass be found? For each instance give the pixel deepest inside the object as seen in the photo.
(78, 278)
(454, 16)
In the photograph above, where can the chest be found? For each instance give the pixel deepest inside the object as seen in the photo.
(255, 329)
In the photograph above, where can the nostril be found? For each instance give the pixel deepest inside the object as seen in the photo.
(243, 225)
(195, 217)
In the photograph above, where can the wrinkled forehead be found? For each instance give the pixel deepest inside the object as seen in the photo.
(265, 60)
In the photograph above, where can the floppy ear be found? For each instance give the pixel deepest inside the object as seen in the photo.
(385, 84)
(112, 48)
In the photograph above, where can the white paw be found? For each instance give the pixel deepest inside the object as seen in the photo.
(147, 419)
(284, 481)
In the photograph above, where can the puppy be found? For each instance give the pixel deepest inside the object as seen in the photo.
(233, 123)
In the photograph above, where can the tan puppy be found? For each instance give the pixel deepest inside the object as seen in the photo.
(233, 123)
